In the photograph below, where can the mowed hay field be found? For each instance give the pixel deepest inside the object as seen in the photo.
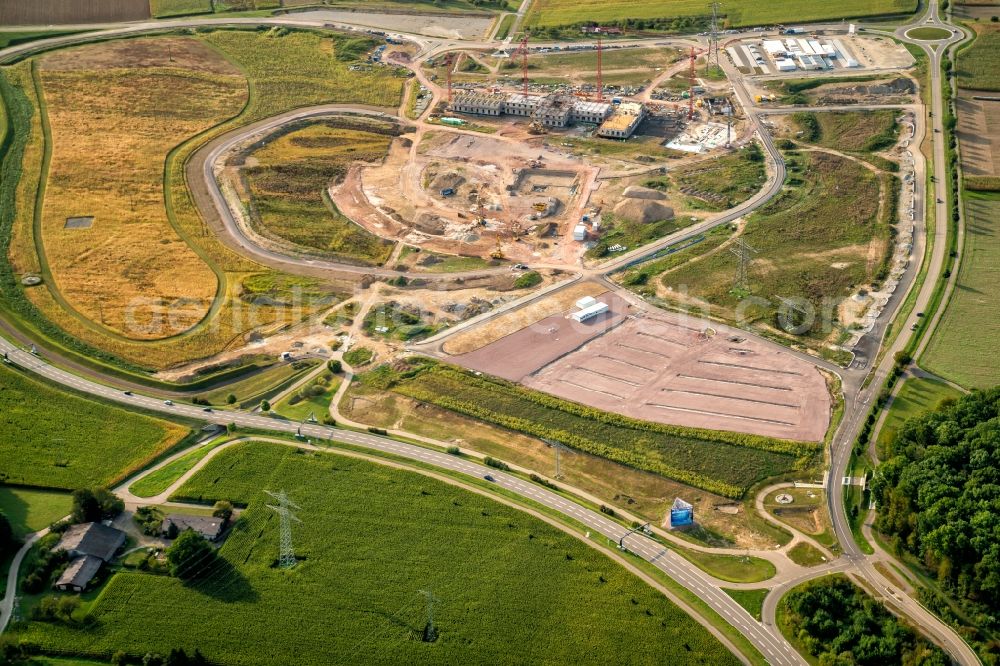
(544, 13)
(370, 539)
(963, 348)
(287, 184)
(115, 110)
(978, 65)
(285, 70)
(54, 439)
(46, 12)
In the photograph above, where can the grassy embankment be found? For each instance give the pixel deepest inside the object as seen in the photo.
(703, 459)
(362, 563)
(287, 186)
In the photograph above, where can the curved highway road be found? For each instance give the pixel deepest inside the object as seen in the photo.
(767, 640)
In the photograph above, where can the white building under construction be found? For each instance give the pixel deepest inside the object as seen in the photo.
(554, 110)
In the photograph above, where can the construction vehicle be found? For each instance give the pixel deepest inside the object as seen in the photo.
(540, 206)
(536, 128)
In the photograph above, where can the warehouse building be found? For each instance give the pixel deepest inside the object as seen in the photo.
(590, 112)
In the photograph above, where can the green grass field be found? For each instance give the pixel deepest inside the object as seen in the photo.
(850, 131)
(806, 555)
(156, 482)
(544, 13)
(53, 439)
(978, 65)
(370, 539)
(704, 459)
(962, 348)
(32, 509)
(752, 600)
(722, 182)
(288, 181)
(165, 8)
(261, 385)
(915, 397)
(732, 568)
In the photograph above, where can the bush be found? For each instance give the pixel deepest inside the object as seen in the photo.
(223, 509)
(378, 431)
(497, 464)
(265, 406)
(231, 399)
(453, 450)
(335, 366)
(529, 279)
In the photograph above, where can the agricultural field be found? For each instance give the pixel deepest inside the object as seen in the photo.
(916, 397)
(315, 70)
(659, 13)
(57, 440)
(978, 65)
(51, 12)
(622, 67)
(33, 509)
(157, 482)
(370, 539)
(822, 238)
(963, 347)
(287, 181)
(850, 131)
(703, 459)
(165, 8)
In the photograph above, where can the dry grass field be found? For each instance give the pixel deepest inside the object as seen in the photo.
(215, 69)
(115, 110)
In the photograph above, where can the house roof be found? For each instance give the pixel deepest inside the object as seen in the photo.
(207, 526)
(92, 539)
(80, 571)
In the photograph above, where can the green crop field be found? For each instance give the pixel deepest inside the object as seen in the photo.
(704, 459)
(963, 346)
(32, 509)
(164, 8)
(370, 539)
(545, 13)
(817, 241)
(916, 397)
(53, 439)
(978, 65)
(287, 186)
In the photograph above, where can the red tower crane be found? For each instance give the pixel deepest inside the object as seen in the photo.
(522, 50)
(691, 87)
(600, 82)
(449, 64)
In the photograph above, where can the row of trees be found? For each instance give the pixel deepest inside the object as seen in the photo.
(938, 494)
(841, 625)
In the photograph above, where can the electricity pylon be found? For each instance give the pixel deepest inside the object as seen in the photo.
(743, 251)
(286, 557)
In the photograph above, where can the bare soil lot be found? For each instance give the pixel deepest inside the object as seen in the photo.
(664, 369)
(535, 346)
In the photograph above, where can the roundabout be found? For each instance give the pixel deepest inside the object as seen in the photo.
(928, 34)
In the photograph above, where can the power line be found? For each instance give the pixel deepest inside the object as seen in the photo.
(713, 39)
(744, 253)
(430, 633)
(286, 557)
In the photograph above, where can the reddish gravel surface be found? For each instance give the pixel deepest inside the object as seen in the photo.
(662, 369)
(517, 355)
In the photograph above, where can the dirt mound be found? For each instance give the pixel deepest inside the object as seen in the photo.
(446, 180)
(643, 210)
(639, 192)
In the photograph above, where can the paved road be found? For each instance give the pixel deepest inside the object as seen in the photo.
(857, 403)
(770, 643)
